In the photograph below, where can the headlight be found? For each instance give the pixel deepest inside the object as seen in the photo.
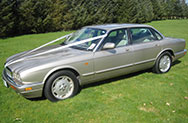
(16, 76)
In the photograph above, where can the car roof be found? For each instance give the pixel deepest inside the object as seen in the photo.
(117, 26)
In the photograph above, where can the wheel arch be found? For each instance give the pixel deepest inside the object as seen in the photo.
(167, 50)
(72, 69)
(155, 66)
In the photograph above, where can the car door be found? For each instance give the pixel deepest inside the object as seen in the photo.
(113, 62)
(146, 47)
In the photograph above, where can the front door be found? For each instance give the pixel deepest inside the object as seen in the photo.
(113, 62)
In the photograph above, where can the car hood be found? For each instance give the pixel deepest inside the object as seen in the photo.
(39, 57)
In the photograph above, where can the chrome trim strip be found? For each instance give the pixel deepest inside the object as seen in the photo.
(88, 74)
(149, 60)
(114, 68)
(32, 85)
(124, 66)
(181, 52)
(119, 67)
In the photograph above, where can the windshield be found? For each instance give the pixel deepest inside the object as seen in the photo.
(83, 34)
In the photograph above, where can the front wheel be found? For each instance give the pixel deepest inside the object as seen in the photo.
(163, 63)
(61, 85)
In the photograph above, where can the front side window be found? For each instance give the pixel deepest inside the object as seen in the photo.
(118, 37)
(141, 35)
(83, 34)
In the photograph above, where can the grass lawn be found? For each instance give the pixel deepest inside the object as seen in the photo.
(140, 97)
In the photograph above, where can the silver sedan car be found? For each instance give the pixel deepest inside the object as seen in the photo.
(90, 54)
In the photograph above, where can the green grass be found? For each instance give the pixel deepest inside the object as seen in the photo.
(142, 97)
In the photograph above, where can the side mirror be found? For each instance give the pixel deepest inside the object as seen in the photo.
(108, 46)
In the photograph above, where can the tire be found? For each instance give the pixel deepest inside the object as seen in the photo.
(61, 85)
(163, 63)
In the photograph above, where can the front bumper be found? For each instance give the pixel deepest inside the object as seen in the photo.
(36, 90)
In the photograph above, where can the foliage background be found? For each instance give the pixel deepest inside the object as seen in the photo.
(38, 16)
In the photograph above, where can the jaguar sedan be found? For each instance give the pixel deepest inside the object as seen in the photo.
(91, 54)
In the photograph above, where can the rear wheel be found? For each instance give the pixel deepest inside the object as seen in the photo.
(163, 63)
(61, 85)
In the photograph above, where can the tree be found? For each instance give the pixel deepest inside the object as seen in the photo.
(158, 9)
(38, 16)
(34, 16)
(7, 18)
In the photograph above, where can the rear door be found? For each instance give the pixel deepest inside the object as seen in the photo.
(146, 46)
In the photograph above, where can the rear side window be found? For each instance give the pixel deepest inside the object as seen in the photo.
(158, 36)
(141, 35)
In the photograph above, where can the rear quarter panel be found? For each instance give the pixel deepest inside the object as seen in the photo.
(175, 44)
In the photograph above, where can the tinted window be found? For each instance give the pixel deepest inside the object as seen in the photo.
(140, 35)
(119, 37)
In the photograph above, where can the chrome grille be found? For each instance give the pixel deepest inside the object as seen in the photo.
(8, 72)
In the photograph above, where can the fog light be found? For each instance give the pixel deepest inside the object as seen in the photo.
(28, 89)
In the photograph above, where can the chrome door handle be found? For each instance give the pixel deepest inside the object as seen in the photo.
(156, 45)
(126, 49)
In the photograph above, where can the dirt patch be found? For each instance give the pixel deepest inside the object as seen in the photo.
(148, 109)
